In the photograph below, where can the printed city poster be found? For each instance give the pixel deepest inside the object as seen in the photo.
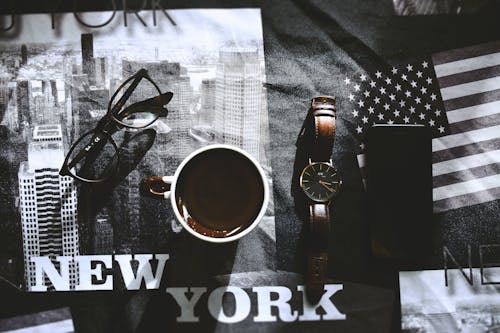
(461, 299)
(438, 7)
(58, 80)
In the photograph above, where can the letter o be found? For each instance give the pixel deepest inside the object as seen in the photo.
(12, 21)
(96, 25)
(216, 308)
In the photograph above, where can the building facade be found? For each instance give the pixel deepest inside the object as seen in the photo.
(238, 98)
(88, 61)
(207, 107)
(48, 204)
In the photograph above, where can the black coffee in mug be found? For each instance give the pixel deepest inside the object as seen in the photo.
(219, 192)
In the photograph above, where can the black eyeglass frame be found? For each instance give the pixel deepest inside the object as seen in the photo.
(111, 123)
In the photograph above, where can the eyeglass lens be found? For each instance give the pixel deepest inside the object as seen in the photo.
(141, 108)
(93, 164)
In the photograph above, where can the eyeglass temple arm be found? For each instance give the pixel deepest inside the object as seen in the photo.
(138, 76)
(156, 103)
(97, 142)
(162, 99)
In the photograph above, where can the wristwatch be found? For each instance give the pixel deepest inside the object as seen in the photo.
(320, 182)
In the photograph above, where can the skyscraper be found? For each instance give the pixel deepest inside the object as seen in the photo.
(100, 71)
(85, 98)
(207, 109)
(23, 106)
(11, 117)
(48, 203)
(42, 109)
(24, 55)
(53, 92)
(238, 99)
(88, 61)
(4, 90)
(103, 234)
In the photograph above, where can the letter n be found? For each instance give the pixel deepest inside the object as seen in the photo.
(60, 281)
(447, 254)
(489, 251)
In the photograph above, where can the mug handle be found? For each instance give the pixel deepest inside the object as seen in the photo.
(157, 186)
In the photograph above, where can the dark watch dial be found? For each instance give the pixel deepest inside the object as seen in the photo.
(320, 181)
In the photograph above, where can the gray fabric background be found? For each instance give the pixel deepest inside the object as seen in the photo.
(310, 47)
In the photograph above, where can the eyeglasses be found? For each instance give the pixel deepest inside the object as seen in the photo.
(137, 103)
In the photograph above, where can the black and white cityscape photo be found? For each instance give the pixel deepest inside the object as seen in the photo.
(56, 85)
(438, 7)
(468, 302)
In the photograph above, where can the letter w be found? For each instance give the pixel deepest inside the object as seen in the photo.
(144, 270)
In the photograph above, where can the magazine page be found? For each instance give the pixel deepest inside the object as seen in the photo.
(60, 86)
(452, 300)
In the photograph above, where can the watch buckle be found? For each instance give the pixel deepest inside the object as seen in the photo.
(329, 161)
(328, 101)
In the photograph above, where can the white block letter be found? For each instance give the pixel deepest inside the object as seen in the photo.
(86, 272)
(216, 308)
(187, 305)
(59, 281)
(264, 304)
(144, 270)
(331, 312)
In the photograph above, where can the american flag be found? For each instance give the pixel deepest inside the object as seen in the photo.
(457, 95)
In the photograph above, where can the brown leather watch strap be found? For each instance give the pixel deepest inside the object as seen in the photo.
(317, 256)
(323, 111)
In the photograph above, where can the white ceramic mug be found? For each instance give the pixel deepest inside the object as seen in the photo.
(166, 187)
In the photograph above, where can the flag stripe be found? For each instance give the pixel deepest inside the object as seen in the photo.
(461, 151)
(463, 53)
(471, 112)
(462, 188)
(464, 163)
(470, 88)
(46, 321)
(471, 100)
(466, 167)
(466, 200)
(462, 139)
(465, 175)
(467, 65)
(478, 74)
(64, 326)
(474, 124)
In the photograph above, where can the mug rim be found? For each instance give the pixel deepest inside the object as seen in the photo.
(251, 226)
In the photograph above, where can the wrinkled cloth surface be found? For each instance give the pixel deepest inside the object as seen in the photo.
(310, 47)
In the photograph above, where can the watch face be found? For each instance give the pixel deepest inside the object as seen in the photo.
(320, 181)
